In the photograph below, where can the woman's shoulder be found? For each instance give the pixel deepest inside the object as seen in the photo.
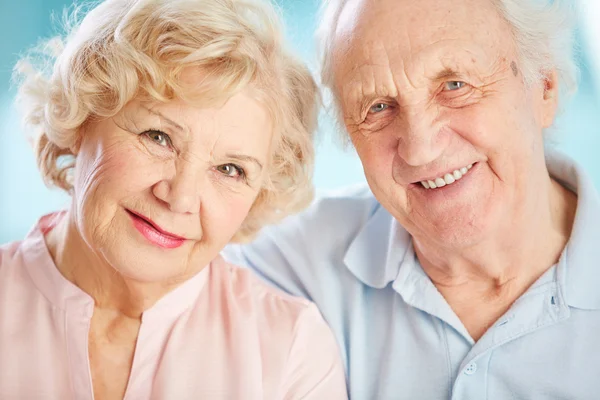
(32, 249)
(279, 319)
(295, 343)
(10, 254)
(245, 286)
(246, 296)
(15, 277)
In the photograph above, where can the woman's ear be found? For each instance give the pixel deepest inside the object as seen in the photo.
(550, 98)
(74, 148)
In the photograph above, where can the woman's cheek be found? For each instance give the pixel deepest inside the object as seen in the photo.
(230, 213)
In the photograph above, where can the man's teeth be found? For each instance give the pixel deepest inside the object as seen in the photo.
(447, 179)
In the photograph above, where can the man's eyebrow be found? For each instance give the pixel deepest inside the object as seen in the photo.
(359, 98)
(169, 121)
(243, 158)
(446, 73)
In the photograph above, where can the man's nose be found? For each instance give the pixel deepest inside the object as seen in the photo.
(418, 135)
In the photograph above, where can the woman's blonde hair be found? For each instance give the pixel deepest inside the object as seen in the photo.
(124, 49)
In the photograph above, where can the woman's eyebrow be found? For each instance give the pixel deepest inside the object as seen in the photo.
(244, 158)
(167, 120)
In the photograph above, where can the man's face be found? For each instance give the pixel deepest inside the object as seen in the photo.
(433, 98)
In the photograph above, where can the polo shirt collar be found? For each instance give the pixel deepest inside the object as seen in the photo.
(582, 252)
(375, 254)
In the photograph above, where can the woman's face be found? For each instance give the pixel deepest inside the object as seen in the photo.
(161, 188)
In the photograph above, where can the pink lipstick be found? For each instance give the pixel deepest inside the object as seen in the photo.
(154, 233)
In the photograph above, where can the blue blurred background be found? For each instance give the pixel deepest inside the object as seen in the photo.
(23, 196)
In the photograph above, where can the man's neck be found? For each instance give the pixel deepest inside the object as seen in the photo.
(529, 243)
(498, 271)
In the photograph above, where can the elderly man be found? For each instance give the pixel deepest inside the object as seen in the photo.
(469, 268)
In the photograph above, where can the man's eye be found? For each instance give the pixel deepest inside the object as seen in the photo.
(377, 108)
(453, 85)
(160, 138)
(231, 170)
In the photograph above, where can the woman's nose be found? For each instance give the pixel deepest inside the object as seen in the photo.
(181, 192)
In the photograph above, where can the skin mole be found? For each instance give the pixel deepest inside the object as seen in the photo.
(515, 70)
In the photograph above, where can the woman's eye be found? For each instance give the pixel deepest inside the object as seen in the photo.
(231, 170)
(377, 108)
(453, 85)
(160, 138)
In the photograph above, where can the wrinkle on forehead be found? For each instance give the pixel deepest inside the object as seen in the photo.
(401, 21)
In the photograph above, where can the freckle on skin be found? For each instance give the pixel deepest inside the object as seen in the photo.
(513, 66)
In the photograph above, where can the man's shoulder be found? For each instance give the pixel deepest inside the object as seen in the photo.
(342, 211)
(347, 198)
(304, 253)
(350, 192)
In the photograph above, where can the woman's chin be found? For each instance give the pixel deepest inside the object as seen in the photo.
(139, 259)
(146, 264)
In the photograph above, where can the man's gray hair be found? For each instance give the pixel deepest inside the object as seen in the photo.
(543, 31)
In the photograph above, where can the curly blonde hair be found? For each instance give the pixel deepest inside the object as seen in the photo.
(126, 49)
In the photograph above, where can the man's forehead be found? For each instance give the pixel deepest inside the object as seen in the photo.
(377, 31)
(407, 21)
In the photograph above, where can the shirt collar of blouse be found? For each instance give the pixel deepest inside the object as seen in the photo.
(382, 247)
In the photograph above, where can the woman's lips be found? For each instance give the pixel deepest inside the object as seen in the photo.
(153, 233)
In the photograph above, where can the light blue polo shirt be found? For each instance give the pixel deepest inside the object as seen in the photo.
(401, 340)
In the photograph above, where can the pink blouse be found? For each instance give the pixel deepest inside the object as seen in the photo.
(222, 334)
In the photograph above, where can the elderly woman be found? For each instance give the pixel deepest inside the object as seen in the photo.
(177, 126)
(468, 269)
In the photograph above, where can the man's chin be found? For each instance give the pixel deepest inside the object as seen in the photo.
(456, 231)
